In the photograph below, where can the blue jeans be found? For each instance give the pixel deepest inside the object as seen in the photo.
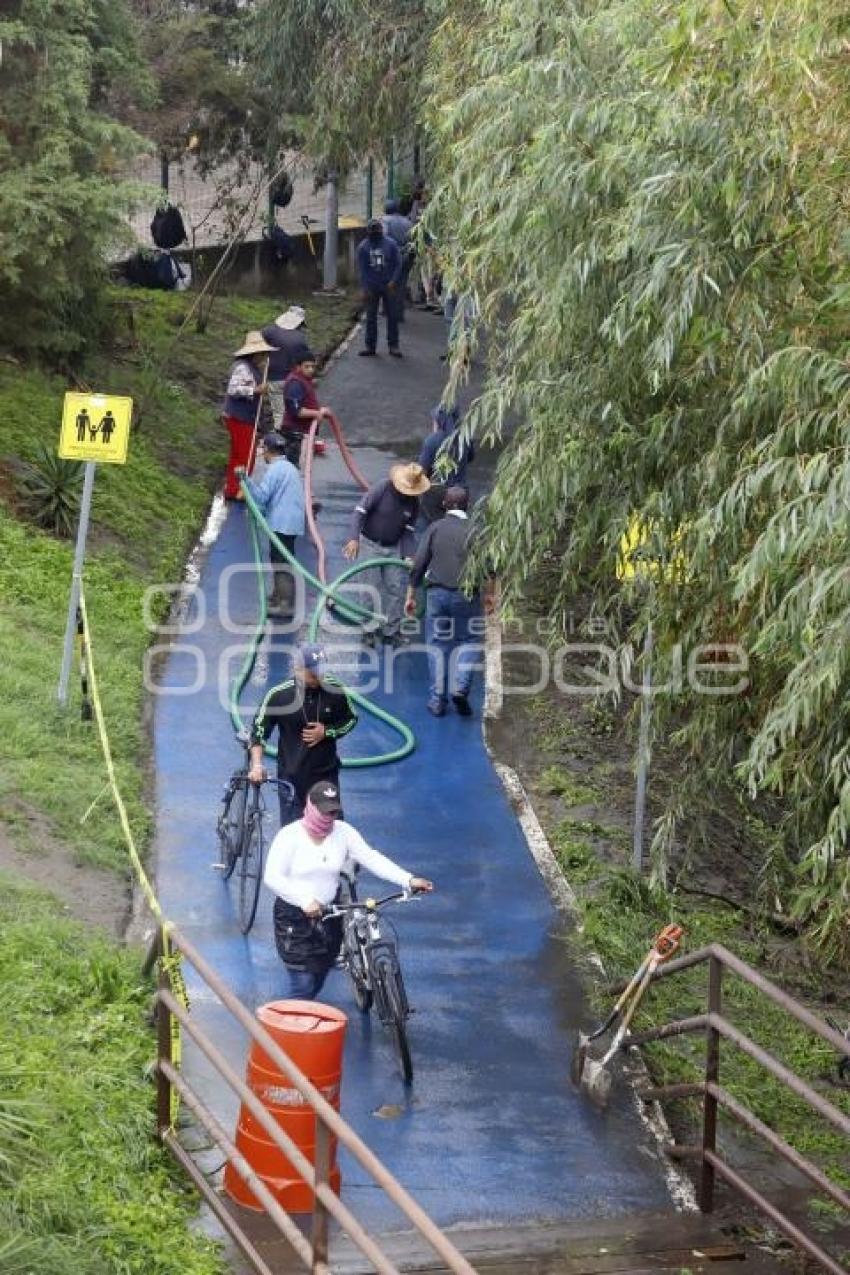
(453, 653)
(373, 300)
(305, 985)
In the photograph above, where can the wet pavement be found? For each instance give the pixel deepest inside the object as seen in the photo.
(491, 1131)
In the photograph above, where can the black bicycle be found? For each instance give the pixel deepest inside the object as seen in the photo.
(371, 958)
(242, 838)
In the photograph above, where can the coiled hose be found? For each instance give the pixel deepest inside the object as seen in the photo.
(327, 594)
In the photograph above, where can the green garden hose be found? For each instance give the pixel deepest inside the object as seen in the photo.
(349, 610)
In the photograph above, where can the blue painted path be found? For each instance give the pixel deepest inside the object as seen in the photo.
(491, 1131)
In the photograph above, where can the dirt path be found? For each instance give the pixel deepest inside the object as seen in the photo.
(96, 897)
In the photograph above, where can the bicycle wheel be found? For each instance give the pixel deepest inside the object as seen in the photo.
(395, 1004)
(251, 869)
(356, 971)
(231, 826)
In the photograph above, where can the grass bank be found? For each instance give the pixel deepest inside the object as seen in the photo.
(83, 1186)
(145, 516)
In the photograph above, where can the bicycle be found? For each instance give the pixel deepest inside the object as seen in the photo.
(242, 838)
(371, 960)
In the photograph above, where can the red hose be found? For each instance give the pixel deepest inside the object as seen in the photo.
(351, 464)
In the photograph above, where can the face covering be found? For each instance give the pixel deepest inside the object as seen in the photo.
(317, 824)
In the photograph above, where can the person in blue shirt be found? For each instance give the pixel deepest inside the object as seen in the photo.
(379, 265)
(280, 497)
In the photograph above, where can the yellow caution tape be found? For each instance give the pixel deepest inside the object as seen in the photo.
(170, 961)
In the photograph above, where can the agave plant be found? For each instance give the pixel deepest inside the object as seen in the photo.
(50, 491)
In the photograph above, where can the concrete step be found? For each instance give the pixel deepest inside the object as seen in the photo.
(651, 1245)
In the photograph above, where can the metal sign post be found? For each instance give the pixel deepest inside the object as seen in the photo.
(644, 747)
(95, 429)
(74, 600)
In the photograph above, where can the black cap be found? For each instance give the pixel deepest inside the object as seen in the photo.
(374, 226)
(325, 797)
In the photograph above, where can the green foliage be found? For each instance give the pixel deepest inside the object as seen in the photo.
(50, 491)
(61, 202)
(204, 96)
(557, 782)
(345, 74)
(648, 201)
(90, 1191)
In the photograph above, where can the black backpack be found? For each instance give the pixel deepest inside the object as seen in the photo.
(282, 191)
(167, 229)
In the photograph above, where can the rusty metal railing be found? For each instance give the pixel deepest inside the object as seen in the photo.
(312, 1251)
(717, 1028)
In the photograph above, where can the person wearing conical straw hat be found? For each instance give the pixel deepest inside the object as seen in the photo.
(384, 519)
(246, 388)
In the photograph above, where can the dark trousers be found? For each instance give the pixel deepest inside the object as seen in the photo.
(283, 589)
(373, 301)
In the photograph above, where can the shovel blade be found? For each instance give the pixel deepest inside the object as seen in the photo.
(596, 1080)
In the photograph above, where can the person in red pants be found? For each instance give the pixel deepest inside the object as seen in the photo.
(246, 386)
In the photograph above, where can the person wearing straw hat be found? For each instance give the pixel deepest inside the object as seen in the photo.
(246, 388)
(385, 518)
(288, 335)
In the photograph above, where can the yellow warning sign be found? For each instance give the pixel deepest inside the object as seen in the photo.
(95, 427)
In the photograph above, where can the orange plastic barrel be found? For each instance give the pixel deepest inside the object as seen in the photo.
(312, 1036)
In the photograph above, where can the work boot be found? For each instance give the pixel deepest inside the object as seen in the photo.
(462, 704)
(282, 596)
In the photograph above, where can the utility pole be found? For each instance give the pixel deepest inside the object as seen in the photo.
(329, 278)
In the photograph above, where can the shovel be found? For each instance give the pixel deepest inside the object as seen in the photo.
(595, 1076)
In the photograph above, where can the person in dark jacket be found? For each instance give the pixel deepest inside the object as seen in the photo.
(385, 518)
(440, 562)
(300, 404)
(246, 387)
(310, 712)
(443, 446)
(288, 335)
(379, 266)
(399, 227)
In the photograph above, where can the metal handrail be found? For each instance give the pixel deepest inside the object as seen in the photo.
(717, 1028)
(313, 1252)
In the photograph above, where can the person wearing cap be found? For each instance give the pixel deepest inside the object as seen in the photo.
(385, 518)
(310, 712)
(305, 863)
(300, 403)
(444, 457)
(440, 563)
(379, 266)
(289, 337)
(246, 387)
(280, 497)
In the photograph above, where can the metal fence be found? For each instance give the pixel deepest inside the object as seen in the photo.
(718, 1029)
(212, 205)
(312, 1250)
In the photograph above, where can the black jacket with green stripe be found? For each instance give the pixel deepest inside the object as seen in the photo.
(290, 707)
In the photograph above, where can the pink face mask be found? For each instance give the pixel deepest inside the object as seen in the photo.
(317, 824)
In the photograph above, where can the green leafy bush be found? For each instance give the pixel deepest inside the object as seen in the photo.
(50, 491)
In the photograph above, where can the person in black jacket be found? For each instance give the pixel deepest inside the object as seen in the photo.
(310, 712)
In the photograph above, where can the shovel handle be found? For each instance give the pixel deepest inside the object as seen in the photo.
(652, 965)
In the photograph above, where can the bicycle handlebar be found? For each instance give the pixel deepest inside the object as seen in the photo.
(372, 905)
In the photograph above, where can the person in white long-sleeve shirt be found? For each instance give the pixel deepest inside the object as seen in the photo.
(303, 870)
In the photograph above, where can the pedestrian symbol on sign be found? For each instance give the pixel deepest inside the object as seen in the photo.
(107, 428)
(82, 423)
